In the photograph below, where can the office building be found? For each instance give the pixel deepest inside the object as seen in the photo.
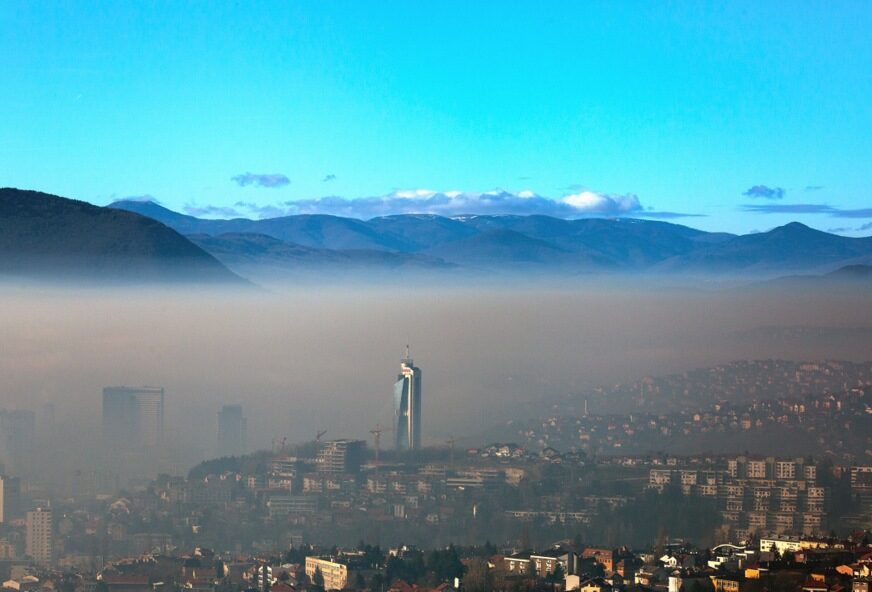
(133, 418)
(231, 431)
(341, 456)
(10, 498)
(39, 536)
(17, 440)
(407, 405)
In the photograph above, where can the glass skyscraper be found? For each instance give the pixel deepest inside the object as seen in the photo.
(407, 405)
(133, 418)
(231, 431)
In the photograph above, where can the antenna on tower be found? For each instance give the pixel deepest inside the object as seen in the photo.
(407, 351)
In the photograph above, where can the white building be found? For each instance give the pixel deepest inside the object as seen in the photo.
(39, 536)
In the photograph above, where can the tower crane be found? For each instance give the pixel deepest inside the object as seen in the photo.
(376, 437)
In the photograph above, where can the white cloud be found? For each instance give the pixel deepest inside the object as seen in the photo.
(453, 203)
(589, 201)
(457, 203)
(269, 180)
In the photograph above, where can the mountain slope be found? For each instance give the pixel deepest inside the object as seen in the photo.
(852, 273)
(793, 246)
(245, 251)
(849, 277)
(504, 243)
(496, 249)
(316, 231)
(49, 237)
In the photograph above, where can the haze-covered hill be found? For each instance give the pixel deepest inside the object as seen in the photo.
(793, 246)
(847, 278)
(261, 257)
(502, 244)
(47, 237)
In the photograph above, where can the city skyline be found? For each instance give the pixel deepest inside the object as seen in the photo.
(631, 243)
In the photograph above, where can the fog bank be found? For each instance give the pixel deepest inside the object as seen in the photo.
(307, 359)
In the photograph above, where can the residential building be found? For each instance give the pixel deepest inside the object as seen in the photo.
(39, 536)
(335, 571)
(517, 564)
(341, 456)
(546, 562)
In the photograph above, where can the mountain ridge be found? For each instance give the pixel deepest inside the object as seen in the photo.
(48, 237)
(500, 244)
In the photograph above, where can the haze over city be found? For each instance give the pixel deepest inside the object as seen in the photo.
(435, 297)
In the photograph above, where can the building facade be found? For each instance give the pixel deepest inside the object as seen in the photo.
(39, 536)
(333, 572)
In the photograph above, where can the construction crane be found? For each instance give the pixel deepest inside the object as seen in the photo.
(280, 448)
(451, 442)
(319, 434)
(376, 438)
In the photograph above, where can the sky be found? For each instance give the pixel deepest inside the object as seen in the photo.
(735, 116)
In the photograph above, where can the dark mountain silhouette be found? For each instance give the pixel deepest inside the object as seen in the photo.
(48, 237)
(504, 243)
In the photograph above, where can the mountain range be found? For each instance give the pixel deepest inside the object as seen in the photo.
(500, 244)
(46, 237)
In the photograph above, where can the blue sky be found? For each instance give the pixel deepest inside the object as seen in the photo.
(747, 115)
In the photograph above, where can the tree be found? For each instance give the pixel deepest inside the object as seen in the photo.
(478, 577)
(318, 578)
(557, 575)
(376, 582)
(531, 570)
(444, 564)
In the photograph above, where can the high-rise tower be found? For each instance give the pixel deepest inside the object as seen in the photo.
(39, 536)
(10, 497)
(17, 441)
(407, 405)
(231, 431)
(133, 418)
